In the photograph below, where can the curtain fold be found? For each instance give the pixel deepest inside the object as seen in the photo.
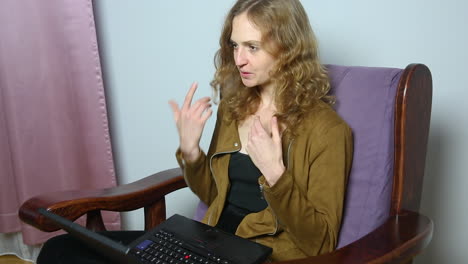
(54, 132)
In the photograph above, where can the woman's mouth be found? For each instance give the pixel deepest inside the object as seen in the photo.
(245, 74)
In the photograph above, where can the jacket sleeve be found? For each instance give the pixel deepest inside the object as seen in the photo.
(312, 214)
(197, 174)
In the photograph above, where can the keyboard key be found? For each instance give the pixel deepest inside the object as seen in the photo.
(166, 248)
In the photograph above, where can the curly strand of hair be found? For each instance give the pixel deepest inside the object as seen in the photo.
(301, 82)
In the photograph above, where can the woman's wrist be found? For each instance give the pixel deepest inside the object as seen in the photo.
(191, 155)
(275, 174)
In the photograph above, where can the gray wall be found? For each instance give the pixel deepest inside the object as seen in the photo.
(153, 50)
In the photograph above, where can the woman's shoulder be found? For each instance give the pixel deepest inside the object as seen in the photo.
(222, 108)
(321, 118)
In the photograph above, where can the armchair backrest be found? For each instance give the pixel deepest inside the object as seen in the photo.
(388, 110)
(365, 99)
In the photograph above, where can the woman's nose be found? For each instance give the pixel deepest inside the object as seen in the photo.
(239, 57)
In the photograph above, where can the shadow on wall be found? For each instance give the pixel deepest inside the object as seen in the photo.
(332, 50)
(432, 202)
(108, 85)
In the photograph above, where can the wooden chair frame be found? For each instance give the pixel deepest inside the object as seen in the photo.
(405, 233)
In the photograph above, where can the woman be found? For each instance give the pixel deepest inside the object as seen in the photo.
(278, 162)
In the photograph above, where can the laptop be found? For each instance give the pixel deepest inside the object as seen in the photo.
(176, 240)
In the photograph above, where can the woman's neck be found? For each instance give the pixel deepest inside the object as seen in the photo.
(267, 100)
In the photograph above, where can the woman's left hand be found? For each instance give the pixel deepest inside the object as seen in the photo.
(265, 150)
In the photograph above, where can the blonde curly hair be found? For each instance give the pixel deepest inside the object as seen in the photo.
(300, 79)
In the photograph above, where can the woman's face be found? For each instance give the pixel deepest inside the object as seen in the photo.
(252, 60)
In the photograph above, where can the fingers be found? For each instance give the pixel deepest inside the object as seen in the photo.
(174, 106)
(257, 132)
(200, 103)
(275, 129)
(175, 109)
(206, 115)
(189, 96)
(258, 127)
(200, 107)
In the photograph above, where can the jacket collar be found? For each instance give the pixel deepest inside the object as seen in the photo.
(229, 140)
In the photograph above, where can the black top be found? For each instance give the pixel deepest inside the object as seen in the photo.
(245, 190)
(244, 195)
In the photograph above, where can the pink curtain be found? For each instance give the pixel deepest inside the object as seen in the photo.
(54, 133)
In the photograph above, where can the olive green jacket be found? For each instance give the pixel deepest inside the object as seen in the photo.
(305, 205)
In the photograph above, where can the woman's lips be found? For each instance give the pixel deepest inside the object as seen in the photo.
(245, 74)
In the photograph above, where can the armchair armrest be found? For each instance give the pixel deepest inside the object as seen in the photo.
(398, 240)
(148, 192)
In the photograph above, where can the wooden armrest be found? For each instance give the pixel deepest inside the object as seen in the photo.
(72, 204)
(398, 240)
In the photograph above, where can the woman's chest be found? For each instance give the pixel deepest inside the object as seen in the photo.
(262, 121)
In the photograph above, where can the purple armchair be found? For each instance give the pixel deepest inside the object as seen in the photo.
(389, 112)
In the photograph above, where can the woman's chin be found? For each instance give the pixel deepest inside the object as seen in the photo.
(249, 83)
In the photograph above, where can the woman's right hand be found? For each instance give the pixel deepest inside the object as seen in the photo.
(190, 121)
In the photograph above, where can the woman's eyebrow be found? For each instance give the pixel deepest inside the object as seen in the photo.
(248, 42)
(253, 42)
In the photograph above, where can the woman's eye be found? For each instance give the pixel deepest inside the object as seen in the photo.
(233, 45)
(253, 48)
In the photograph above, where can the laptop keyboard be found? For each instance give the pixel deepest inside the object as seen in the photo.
(165, 248)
